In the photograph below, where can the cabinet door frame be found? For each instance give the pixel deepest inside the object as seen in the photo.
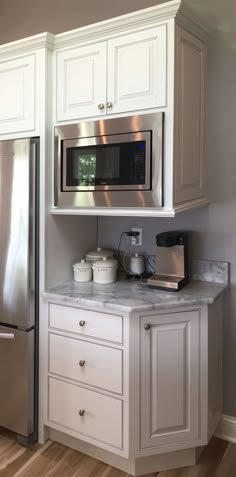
(97, 55)
(156, 96)
(197, 331)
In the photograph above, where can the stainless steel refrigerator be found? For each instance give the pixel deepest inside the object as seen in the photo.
(19, 287)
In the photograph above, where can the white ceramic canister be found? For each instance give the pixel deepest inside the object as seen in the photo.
(98, 254)
(82, 271)
(137, 264)
(105, 271)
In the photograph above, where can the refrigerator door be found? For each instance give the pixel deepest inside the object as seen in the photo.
(17, 380)
(17, 235)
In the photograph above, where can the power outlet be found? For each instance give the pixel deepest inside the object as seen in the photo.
(139, 239)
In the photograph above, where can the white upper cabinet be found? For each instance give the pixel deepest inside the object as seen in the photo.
(81, 82)
(25, 67)
(17, 94)
(152, 60)
(127, 73)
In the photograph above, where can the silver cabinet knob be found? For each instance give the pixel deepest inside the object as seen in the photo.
(81, 412)
(81, 323)
(101, 106)
(109, 104)
(81, 363)
(146, 326)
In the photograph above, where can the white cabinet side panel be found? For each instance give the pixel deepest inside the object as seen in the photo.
(189, 117)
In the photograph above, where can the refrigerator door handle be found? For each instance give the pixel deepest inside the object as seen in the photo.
(7, 336)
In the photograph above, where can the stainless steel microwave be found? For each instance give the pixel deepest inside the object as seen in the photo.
(110, 163)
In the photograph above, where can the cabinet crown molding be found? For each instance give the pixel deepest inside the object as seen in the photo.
(133, 21)
(26, 45)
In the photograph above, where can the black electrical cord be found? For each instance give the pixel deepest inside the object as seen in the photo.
(118, 249)
(130, 233)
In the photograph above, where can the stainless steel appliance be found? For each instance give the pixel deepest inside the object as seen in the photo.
(19, 287)
(110, 163)
(171, 261)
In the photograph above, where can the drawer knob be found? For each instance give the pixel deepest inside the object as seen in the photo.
(81, 363)
(81, 412)
(146, 326)
(81, 323)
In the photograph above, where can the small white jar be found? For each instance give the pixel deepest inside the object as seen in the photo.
(82, 271)
(137, 264)
(105, 271)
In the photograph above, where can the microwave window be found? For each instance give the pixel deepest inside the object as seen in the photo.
(106, 164)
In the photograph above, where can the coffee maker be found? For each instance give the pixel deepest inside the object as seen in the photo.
(171, 261)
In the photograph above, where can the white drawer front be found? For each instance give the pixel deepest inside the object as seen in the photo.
(84, 322)
(88, 363)
(102, 419)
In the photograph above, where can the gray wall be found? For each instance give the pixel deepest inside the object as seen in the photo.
(213, 229)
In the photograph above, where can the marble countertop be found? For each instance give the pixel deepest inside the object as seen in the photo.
(131, 296)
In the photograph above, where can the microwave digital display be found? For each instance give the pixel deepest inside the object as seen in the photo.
(119, 164)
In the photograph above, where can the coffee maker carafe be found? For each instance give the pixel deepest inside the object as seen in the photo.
(171, 261)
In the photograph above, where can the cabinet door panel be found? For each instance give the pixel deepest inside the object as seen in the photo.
(17, 95)
(170, 379)
(137, 71)
(81, 82)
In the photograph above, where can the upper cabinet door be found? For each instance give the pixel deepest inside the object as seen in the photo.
(17, 95)
(137, 71)
(170, 399)
(81, 82)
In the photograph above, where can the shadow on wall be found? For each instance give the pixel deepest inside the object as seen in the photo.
(213, 229)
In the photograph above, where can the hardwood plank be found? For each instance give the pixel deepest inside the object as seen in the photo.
(207, 465)
(55, 460)
(227, 467)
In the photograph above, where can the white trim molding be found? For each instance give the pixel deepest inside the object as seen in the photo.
(227, 428)
(26, 45)
(134, 21)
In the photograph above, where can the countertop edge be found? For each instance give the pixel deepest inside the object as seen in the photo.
(191, 300)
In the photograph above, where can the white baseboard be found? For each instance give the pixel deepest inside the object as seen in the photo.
(227, 429)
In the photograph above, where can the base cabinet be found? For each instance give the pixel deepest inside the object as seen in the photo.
(151, 396)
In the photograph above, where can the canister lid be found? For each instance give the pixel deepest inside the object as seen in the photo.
(137, 258)
(82, 265)
(98, 254)
(106, 262)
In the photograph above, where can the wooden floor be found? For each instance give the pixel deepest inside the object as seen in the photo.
(55, 460)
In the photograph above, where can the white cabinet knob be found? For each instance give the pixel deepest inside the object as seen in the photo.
(101, 106)
(109, 104)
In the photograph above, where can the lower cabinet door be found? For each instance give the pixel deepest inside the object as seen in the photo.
(169, 379)
(87, 412)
